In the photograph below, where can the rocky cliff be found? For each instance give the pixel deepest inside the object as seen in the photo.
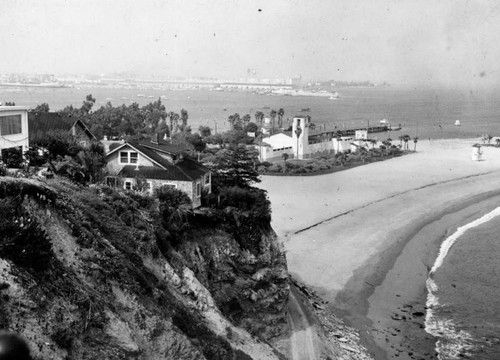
(89, 273)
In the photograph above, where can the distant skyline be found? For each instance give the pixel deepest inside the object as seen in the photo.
(411, 43)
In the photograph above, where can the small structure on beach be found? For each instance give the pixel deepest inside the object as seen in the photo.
(476, 152)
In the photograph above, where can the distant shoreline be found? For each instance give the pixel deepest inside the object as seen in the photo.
(58, 86)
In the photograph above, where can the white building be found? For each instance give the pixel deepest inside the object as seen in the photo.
(306, 143)
(14, 127)
(274, 146)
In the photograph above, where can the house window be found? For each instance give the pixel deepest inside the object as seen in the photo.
(133, 157)
(123, 157)
(111, 181)
(10, 125)
(129, 157)
(207, 179)
(147, 186)
(198, 189)
(128, 185)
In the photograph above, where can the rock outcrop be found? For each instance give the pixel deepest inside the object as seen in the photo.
(83, 275)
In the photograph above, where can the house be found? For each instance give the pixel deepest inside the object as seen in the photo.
(14, 132)
(151, 164)
(42, 123)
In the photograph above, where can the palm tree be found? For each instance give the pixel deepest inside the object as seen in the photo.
(246, 120)
(259, 116)
(406, 138)
(285, 158)
(415, 141)
(272, 114)
(281, 112)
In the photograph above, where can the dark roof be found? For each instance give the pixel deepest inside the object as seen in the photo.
(185, 170)
(40, 123)
(163, 147)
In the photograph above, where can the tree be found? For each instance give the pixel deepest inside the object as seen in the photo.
(88, 104)
(184, 120)
(246, 120)
(406, 138)
(259, 116)
(251, 127)
(44, 107)
(235, 122)
(173, 122)
(272, 114)
(285, 158)
(204, 131)
(281, 112)
(234, 166)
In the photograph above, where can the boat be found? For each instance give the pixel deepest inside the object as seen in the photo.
(305, 109)
(457, 123)
(334, 96)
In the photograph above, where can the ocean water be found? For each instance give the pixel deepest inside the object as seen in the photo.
(463, 299)
(422, 113)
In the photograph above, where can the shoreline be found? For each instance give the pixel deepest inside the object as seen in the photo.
(345, 232)
(393, 292)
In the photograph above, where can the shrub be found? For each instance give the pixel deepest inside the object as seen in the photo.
(254, 200)
(171, 196)
(22, 239)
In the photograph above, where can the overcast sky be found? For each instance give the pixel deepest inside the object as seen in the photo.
(445, 42)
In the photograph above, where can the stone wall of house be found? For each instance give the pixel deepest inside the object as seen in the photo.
(185, 186)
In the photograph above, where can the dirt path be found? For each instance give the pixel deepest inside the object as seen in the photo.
(303, 333)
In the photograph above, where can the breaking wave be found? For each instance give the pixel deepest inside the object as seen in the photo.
(451, 342)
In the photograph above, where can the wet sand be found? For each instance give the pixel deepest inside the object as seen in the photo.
(363, 236)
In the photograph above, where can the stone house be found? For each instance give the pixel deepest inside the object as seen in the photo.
(146, 165)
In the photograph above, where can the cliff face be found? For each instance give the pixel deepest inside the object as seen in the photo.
(83, 274)
(251, 289)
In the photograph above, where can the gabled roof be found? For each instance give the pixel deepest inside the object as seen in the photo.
(185, 169)
(163, 146)
(40, 123)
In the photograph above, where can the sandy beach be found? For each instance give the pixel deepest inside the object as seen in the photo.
(365, 238)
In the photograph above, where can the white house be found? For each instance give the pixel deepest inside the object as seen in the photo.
(14, 131)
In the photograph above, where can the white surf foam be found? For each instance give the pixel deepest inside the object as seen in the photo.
(452, 342)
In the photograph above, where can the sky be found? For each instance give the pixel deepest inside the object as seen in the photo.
(413, 42)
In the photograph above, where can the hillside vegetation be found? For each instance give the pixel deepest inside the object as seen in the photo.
(88, 272)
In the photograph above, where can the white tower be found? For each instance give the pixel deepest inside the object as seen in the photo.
(300, 136)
